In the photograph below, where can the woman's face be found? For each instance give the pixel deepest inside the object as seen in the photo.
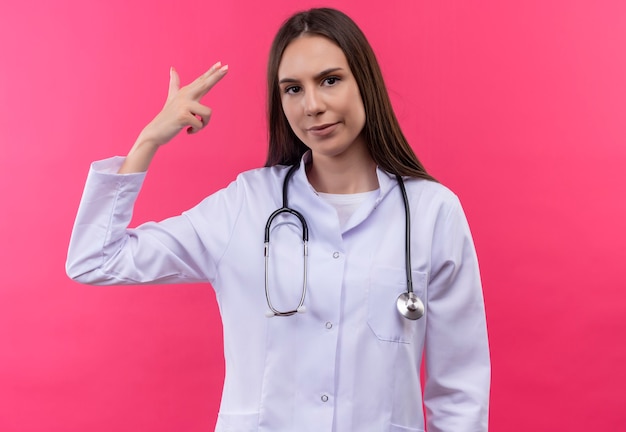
(321, 98)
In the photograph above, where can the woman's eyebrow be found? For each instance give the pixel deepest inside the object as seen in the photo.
(316, 77)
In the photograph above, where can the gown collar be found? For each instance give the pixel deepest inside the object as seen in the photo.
(386, 180)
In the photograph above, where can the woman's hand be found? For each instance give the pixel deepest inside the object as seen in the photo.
(182, 110)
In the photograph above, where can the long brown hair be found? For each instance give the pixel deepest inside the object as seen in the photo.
(385, 140)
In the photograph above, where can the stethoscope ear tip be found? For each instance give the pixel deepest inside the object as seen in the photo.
(301, 309)
(269, 313)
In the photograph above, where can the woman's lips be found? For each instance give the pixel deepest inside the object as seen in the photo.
(322, 130)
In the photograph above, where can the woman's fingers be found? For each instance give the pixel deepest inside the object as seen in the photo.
(195, 124)
(204, 112)
(201, 113)
(207, 80)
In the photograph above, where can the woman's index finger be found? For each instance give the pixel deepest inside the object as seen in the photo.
(207, 80)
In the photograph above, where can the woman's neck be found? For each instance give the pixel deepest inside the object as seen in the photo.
(343, 174)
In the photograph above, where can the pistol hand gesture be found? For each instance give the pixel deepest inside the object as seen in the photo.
(182, 109)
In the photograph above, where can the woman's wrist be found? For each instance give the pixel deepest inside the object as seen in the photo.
(139, 156)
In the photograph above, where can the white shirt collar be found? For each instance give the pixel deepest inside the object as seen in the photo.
(386, 181)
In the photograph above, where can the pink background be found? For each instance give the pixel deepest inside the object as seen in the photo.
(518, 106)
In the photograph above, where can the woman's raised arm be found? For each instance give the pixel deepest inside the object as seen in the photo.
(182, 110)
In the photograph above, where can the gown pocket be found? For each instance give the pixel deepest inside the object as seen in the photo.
(384, 286)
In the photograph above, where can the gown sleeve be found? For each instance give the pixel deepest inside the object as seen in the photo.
(104, 251)
(457, 363)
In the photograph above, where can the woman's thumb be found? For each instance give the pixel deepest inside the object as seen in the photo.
(174, 83)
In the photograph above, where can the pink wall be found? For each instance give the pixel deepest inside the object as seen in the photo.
(517, 106)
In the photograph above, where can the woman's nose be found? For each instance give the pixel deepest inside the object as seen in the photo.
(313, 103)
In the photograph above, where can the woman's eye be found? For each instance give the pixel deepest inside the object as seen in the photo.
(292, 90)
(331, 81)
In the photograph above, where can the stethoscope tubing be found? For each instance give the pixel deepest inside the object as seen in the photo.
(407, 233)
(305, 251)
(408, 304)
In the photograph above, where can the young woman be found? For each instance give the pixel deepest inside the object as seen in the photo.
(368, 268)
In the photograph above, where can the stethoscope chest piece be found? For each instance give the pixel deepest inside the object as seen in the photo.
(410, 306)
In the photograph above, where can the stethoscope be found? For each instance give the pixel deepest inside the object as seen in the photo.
(409, 305)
